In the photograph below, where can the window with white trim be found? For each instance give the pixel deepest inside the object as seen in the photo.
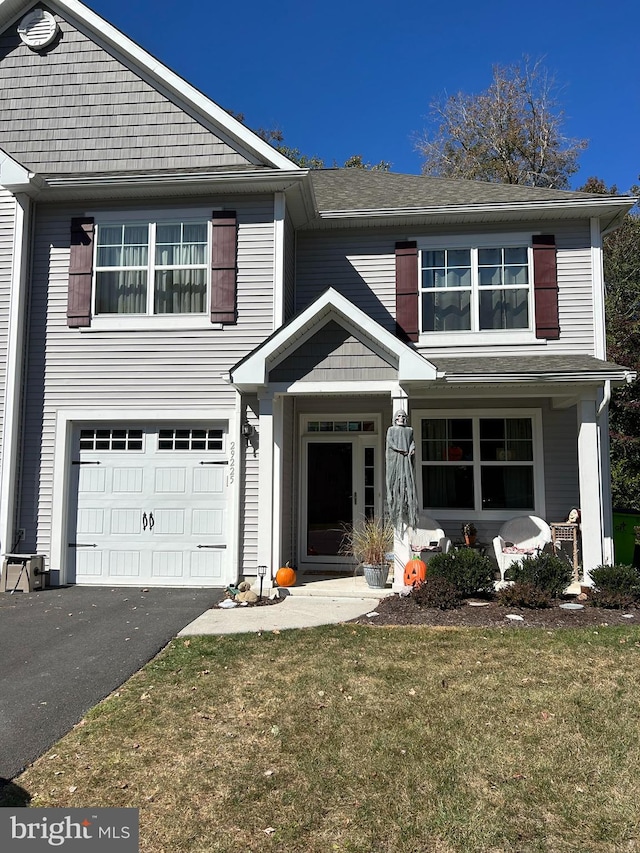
(152, 267)
(481, 463)
(477, 287)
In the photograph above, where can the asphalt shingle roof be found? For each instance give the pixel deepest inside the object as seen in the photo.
(532, 364)
(358, 189)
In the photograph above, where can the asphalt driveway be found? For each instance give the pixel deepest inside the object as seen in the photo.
(62, 650)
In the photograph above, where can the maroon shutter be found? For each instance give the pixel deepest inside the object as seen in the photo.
(545, 283)
(407, 291)
(80, 273)
(224, 250)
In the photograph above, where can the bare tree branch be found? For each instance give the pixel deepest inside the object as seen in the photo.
(511, 133)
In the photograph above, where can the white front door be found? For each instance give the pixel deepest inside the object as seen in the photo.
(151, 506)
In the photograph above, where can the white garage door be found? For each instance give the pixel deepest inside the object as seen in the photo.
(151, 506)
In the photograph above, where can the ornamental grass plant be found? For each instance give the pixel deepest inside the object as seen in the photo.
(369, 541)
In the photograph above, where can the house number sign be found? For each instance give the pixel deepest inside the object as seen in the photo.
(232, 462)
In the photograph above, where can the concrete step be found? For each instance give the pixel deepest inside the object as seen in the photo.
(349, 586)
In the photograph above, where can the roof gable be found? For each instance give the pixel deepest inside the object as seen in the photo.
(94, 101)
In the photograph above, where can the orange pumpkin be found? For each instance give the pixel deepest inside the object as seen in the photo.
(415, 571)
(286, 576)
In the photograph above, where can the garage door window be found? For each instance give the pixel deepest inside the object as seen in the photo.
(190, 439)
(111, 439)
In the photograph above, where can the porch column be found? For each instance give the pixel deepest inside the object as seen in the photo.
(590, 486)
(605, 475)
(10, 434)
(401, 552)
(265, 486)
(278, 474)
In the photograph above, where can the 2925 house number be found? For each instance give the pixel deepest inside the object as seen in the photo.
(232, 462)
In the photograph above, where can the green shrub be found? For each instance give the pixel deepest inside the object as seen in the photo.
(611, 599)
(617, 578)
(546, 571)
(523, 594)
(436, 592)
(469, 571)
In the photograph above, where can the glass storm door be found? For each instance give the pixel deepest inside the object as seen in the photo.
(340, 486)
(329, 496)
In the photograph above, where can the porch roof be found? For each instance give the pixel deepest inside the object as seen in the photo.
(531, 368)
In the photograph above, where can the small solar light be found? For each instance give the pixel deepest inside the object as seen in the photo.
(262, 573)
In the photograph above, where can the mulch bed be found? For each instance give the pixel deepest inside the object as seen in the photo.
(398, 610)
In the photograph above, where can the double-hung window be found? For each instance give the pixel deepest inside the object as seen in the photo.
(483, 286)
(152, 267)
(480, 463)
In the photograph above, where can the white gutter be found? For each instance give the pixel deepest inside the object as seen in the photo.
(473, 378)
(127, 179)
(15, 362)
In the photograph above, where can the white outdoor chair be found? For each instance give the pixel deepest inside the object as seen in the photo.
(518, 538)
(428, 538)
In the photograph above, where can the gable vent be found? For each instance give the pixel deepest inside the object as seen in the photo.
(38, 29)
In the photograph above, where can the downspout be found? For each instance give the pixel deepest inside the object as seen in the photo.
(279, 285)
(14, 372)
(606, 398)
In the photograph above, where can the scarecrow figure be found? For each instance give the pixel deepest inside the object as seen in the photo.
(402, 500)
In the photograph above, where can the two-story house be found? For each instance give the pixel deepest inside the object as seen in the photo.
(202, 344)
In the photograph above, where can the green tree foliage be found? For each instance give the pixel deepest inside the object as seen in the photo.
(511, 133)
(622, 281)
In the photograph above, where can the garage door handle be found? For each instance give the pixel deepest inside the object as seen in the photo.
(222, 462)
(145, 521)
(151, 521)
(211, 546)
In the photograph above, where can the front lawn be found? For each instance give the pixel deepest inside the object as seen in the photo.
(356, 739)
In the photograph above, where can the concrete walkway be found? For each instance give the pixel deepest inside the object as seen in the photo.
(312, 602)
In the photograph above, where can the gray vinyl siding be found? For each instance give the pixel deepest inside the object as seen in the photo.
(77, 108)
(561, 461)
(361, 266)
(154, 370)
(7, 224)
(332, 355)
(575, 289)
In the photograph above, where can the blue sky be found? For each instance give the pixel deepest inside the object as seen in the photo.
(354, 77)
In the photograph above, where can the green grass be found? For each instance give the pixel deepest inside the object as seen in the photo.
(360, 740)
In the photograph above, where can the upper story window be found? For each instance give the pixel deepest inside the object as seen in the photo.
(152, 268)
(475, 288)
(168, 269)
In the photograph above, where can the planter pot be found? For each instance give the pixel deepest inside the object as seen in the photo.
(376, 576)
